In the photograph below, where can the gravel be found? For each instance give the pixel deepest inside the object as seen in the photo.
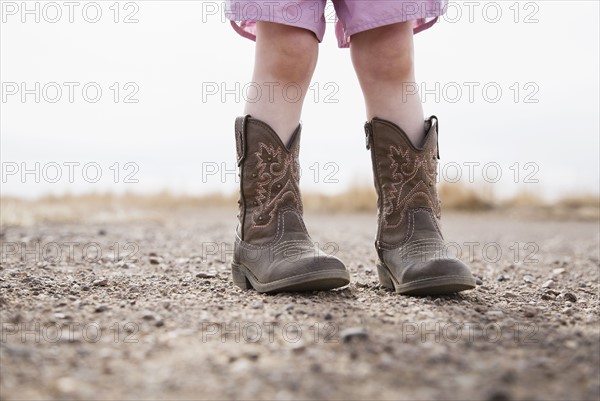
(161, 318)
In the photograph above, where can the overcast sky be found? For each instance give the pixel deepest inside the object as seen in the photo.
(515, 86)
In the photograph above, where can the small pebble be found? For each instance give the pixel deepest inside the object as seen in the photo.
(570, 297)
(101, 308)
(498, 395)
(571, 344)
(566, 311)
(298, 348)
(316, 368)
(501, 277)
(529, 311)
(205, 275)
(151, 316)
(359, 333)
(548, 284)
(154, 261)
(108, 258)
(528, 279)
(67, 385)
(100, 283)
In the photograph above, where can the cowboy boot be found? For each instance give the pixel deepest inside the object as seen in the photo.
(273, 251)
(410, 245)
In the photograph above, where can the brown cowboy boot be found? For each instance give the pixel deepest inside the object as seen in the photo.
(412, 257)
(273, 251)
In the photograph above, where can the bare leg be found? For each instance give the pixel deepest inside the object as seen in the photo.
(383, 60)
(286, 57)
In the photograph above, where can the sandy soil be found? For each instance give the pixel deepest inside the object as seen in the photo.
(161, 319)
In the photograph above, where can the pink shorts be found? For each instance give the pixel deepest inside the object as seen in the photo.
(349, 16)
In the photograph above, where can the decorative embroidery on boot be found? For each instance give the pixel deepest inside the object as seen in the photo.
(413, 185)
(278, 180)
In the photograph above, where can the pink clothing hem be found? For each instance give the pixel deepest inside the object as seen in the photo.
(350, 18)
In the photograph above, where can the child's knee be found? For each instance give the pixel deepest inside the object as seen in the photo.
(385, 54)
(389, 65)
(293, 51)
(394, 64)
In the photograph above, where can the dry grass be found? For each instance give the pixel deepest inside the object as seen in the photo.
(460, 197)
(108, 208)
(355, 199)
(577, 202)
(102, 207)
(525, 199)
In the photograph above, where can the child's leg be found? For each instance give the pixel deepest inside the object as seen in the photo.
(409, 242)
(285, 55)
(273, 251)
(383, 60)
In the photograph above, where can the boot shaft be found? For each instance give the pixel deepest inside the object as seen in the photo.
(405, 179)
(269, 179)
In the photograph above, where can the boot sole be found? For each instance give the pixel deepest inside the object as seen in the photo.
(317, 281)
(428, 286)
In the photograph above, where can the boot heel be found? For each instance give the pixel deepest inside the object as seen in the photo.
(384, 277)
(239, 278)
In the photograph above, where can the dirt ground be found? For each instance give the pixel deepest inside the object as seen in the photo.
(156, 316)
